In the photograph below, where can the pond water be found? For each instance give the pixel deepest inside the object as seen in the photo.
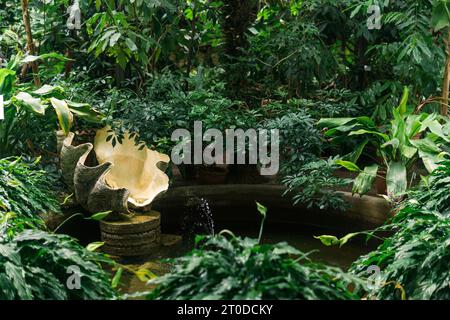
(300, 237)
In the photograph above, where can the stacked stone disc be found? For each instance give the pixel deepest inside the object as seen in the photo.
(138, 236)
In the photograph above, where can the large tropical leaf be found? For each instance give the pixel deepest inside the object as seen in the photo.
(65, 117)
(85, 111)
(371, 132)
(408, 152)
(7, 78)
(439, 130)
(426, 145)
(364, 180)
(333, 122)
(394, 143)
(29, 102)
(31, 58)
(440, 18)
(430, 153)
(396, 179)
(338, 122)
(402, 107)
(47, 89)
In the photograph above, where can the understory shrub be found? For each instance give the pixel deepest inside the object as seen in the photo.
(414, 260)
(300, 140)
(38, 265)
(314, 184)
(308, 179)
(35, 264)
(25, 190)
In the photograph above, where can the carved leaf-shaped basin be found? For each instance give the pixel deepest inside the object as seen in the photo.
(133, 168)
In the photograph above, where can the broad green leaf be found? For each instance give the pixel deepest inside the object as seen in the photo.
(333, 122)
(396, 179)
(364, 131)
(414, 124)
(402, 107)
(7, 78)
(46, 89)
(431, 160)
(65, 117)
(85, 111)
(354, 156)
(131, 45)
(114, 38)
(31, 103)
(408, 151)
(253, 30)
(364, 181)
(439, 130)
(426, 145)
(351, 166)
(31, 58)
(440, 17)
(394, 143)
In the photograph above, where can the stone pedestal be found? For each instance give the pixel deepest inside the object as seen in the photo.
(139, 236)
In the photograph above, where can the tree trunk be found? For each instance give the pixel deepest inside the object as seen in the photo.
(30, 44)
(446, 83)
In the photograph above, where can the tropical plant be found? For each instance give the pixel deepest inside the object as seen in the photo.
(38, 265)
(289, 49)
(315, 184)
(35, 264)
(398, 145)
(300, 141)
(164, 107)
(25, 190)
(137, 33)
(25, 102)
(433, 194)
(414, 260)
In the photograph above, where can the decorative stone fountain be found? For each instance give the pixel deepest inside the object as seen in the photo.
(125, 182)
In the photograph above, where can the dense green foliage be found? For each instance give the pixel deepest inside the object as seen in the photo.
(236, 268)
(300, 139)
(314, 184)
(25, 190)
(37, 265)
(414, 260)
(397, 146)
(150, 67)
